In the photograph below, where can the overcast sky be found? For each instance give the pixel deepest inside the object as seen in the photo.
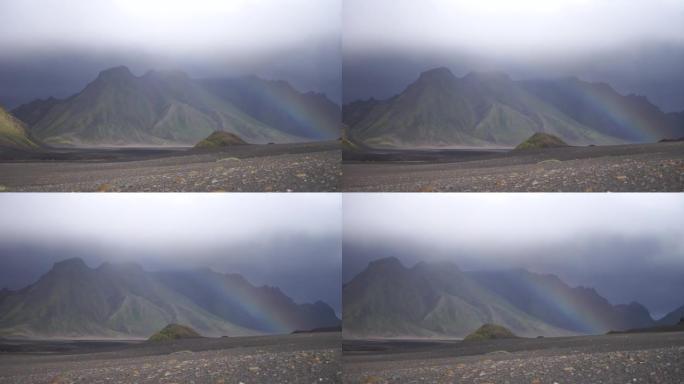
(518, 27)
(287, 240)
(636, 45)
(627, 246)
(66, 43)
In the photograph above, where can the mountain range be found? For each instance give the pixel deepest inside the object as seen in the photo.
(73, 300)
(437, 299)
(485, 109)
(170, 108)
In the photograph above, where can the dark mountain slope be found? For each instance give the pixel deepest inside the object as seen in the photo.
(32, 112)
(673, 317)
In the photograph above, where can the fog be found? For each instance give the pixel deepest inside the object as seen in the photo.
(290, 241)
(636, 46)
(53, 48)
(627, 246)
(524, 27)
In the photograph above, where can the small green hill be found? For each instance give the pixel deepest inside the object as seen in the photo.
(490, 332)
(220, 139)
(173, 332)
(541, 140)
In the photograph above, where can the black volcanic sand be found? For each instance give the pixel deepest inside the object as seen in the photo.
(625, 358)
(638, 167)
(302, 358)
(248, 168)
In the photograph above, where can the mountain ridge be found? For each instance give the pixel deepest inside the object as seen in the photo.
(113, 300)
(118, 108)
(437, 299)
(484, 109)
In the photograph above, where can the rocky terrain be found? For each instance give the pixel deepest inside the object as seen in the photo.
(633, 358)
(624, 168)
(247, 168)
(303, 358)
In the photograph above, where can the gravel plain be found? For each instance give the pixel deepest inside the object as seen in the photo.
(625, 168)
(302, 358)
(308, 167)
(620, 359)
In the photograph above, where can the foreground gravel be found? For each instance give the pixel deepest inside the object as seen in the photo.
(591, 363)
(317, 362)
(647, 167)
(309, 168)
(664, 365)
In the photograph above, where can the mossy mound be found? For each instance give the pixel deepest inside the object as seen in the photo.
(490, 332)
(541, 140)
(220, 139)
(174, 332)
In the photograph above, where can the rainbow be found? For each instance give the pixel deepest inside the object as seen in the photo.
(639, 127)
(558, 296)
(254, 301)
(309, 120)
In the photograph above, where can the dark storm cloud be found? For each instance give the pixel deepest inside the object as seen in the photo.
(289, 241)
(53, 48)
(636, 46)
(627, 247)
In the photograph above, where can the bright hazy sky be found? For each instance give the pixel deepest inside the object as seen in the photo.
(167, 26)
(177, 219)
(55, 47)
(510, 26)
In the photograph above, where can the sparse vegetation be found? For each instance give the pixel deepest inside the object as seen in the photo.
(541, 140)
(220, 139)
(490, 332)
(174, 332)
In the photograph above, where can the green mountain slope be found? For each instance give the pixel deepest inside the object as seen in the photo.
(427, 300)
(113, 300)
(158, 108)
(490, 109)
(13, 134)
